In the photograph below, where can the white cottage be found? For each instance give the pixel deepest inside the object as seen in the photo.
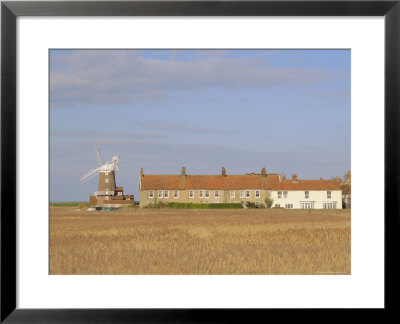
(307, 194)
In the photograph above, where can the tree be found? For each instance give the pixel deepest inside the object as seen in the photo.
(268, 200)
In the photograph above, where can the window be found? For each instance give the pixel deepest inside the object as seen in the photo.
(166, 193)
(241, 193)
(216, 194)
(159, 193)
(329, 205)
(289, 206)
(201, 193)
(328, 194)
(247, 193)
(191, 194)
(106, 197)
(306, 194)
(176, 193)
(232, 193)
(151, 194)
(285, 194)
(277, 205)
(106, 173)
(279, 194)
(257, 193)
(207, 194)
(307, 205)
(106, 180)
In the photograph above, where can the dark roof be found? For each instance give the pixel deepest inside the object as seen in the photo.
(346, 188)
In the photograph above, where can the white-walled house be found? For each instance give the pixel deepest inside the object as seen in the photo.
(307, 194)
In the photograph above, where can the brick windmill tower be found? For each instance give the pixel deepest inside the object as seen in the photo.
(107, 194)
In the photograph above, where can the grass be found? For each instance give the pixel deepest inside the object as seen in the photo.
(69, 204)
(178, 241)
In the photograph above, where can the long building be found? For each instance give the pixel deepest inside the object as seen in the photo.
(253, 187)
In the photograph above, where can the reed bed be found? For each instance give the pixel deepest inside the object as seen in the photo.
(175, 241)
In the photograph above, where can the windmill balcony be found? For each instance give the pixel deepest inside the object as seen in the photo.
(104, 193)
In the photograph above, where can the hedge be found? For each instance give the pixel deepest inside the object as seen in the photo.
(204, 206)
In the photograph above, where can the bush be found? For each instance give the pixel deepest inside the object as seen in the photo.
(204, 206)
(254, 205)
(161, 204)
(81, 205)
(268, 201)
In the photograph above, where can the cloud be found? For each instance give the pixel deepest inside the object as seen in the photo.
(126, 77)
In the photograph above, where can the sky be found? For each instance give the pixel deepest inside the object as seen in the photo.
(286, 110)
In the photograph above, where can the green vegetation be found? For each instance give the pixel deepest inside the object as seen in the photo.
(252, 205)
(204, 206)
(268, 200)
(78, 204)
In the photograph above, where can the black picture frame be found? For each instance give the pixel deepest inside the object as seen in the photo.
(10, 10)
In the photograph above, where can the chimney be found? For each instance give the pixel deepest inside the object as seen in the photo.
(223, 172)
(183, 172)
(264, 172)
(141, 172)
(294, 177)
(284, 177)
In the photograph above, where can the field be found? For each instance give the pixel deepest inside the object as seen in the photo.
(177, 241)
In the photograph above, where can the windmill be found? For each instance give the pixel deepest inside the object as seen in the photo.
(106, 173)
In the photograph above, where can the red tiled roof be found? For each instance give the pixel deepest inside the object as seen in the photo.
(308, 185)
(230, 182)
(210, 182)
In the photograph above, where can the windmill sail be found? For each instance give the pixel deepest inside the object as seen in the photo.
(97, 154)
(90, 174)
